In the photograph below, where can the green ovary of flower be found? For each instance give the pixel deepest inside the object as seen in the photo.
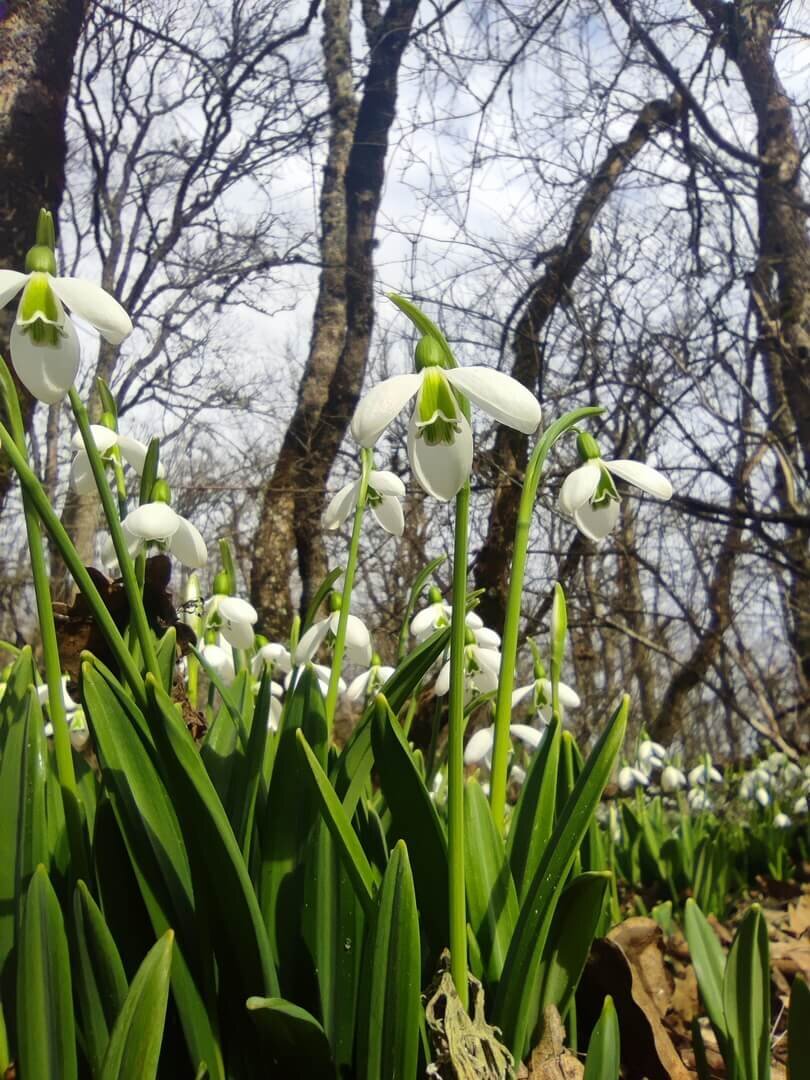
(437, 409)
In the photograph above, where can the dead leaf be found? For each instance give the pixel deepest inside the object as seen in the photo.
(550, 1059)
(799, 915)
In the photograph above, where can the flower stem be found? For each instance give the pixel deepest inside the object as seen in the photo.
(366, 459)
(509, 646)
(63, 752)
(455, 751)
(129, 576)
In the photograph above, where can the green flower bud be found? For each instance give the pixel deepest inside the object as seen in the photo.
(46, 233)
(559, 627)
(434, 595)
(429, 353)
(335, 601)
(161, 492)
(587, 446)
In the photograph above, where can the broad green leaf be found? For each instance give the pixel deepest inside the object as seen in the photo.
(23, 818)
(390, 1005)
(101, 985)
(349, 847)
(134, 1048)
(290, 816)
(292, 1039)
(747, 998)
(492, 904)
(21, 676)
(248, 773)
(570, 937)
(709, 962)
(166, 651)
(46, 1034)
(798, 1029)
(414, 819)
(333, 927)
(535, 812)
(515, 1011)
(148, 823)
(568, 769)
(604, 1050)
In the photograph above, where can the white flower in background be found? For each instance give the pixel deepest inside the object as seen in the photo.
(384, 492)
(156, 523)
(791, 774)
(481, 668)
(540, 689)
(705, 773)
(651, 755)
(358, 639)
(630, 777)
(274, 656)
(758, 777)
(699, 799)
(672, 780)
(775, 761)
(370, 681)
(762, 796)
(132, 452)
(44, 344)
(70, 706)
(517, 775)
(589, 495)
(220, 660)
(801, 806)
(479, 749)
(323, 673)
(438, 615)
(440, 444)
(782, 821)
(233, 617)
(74, 714)
(276, 707)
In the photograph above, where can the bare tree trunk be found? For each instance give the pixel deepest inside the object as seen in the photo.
(292, 501)
(37, 41)
(508, 456)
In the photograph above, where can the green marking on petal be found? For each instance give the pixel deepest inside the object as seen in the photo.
(437, 418)
(40, 313)
(605, 489)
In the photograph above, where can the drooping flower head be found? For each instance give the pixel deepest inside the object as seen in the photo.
(385, 489)
(589, 494)
(44, 344)
(358, 639)
(440, 445)
(155, 523)
(132, 451)
(232, 616)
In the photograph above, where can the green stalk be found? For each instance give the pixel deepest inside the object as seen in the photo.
(137, 612)
(455, 750)
(63, 752)
(366, 460)
(32, 487)
(509, 646)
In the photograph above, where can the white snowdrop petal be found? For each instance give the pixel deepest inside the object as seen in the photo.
(487, 638)
(425, 620)
(578, 487)
(473, 620)
(478, 750)
(389, 514)
(442, 684)
(597, 522)
(499, 395)
(642, 476)
(104, 438)
(380, 405)
(235, 609)
(441, 470)
(341, 506)
(153, 521)
(134, 452)
(82, 480)
(526, 734)
(95, 305)
(46, 371)
(188, 546)
(358, 641)
(521, 693)
(238, 634)
(386, 483)
(311, 641)
(489, 659)
(357, 687)
(11, 281)
(221, 661)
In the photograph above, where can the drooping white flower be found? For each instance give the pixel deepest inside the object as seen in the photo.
(69, 705)
(132, 451)
(541, 691)
(44, 344)
(801, 806)
(481, 669)
(479, 748)
(323, 673)
(369, 681)
(762, 796)
(233, 617)
(274, 656)
(589, 495)
(438, 615)
(791, 774)
(651, 755)
(704, 774)
(276, 707)
(385, 489)
(358, 639)
(782, 821)
(699, 799)
(440, 445)
(156, 523)
(672, 779)
(631, 777)
(221, 660)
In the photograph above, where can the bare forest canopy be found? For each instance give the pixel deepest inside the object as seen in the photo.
(607, 200)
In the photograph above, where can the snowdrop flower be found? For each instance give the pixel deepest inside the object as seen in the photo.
(540, 690)
(705, 773)
(651, 755)
(70, 706)
(44, 344)
(776, 760)
(323, 673)
(801, 806)
(132, 451)
(478, 750)
(440, 444)
(589, 494)
(220, 660)
(384, 492)
(699, 799)
(517, 775)
(481, 668)
(276, 657)
(370, 681)
(630, 777)
(276, 693)
(437, 616)
(782, 821)
(74, 714)
(791, 774)
(358, 639)
(672, 780)
(156, 523)
(762, 796)
(233, 617)
(751, 781)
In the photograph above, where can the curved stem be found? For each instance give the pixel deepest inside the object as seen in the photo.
(455, 751)
(509, 646)
(366, 459)
(134, 592)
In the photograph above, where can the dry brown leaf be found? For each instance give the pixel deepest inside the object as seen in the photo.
(799, 915)
(550, 1060)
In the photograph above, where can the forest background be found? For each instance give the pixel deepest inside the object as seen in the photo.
(608, 201)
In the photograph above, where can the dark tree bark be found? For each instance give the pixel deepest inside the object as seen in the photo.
(38, 40)
(509, 453)
(330, 388)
